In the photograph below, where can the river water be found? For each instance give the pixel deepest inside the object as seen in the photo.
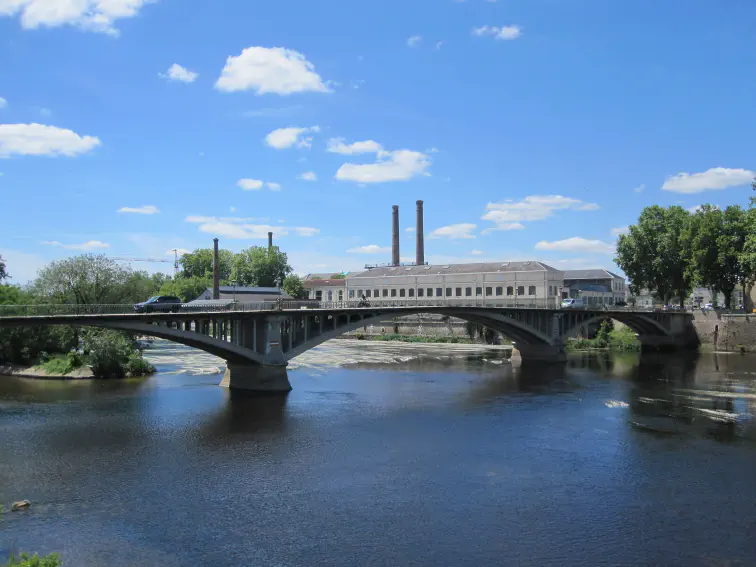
(389, 455)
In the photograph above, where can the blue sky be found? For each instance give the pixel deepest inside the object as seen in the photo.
(532, 129)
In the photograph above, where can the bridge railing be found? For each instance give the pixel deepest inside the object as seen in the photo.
(45, 310)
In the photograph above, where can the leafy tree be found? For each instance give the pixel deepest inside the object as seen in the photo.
(113, 354)
(141, 286)
(26, 560)
(188, 289)
(258, 266)
(3, 272)
(338, 276)
(13, 295)
(199, 264)
(653, 253)
(294, 287)
(85, 279)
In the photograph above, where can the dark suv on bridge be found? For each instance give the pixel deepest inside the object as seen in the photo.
(164, 303)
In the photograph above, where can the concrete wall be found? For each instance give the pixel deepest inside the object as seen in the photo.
(726, 332)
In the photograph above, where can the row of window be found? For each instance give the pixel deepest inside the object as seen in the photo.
(441, 292)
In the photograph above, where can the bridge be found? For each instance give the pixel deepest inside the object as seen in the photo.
(258, 340)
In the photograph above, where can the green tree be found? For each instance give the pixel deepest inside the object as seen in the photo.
(294, 287)
(258, 266)
(26, 560)
(85, 279)
(3, 272)
(13, 295)
(188, 289)
(199, 264)
(141, 286)
(653, 253)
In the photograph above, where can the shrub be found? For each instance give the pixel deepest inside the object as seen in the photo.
(112, 354)
(25, 560)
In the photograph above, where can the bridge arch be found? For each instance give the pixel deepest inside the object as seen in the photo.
(643, 326)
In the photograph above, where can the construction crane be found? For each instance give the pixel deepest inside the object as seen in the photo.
(175, 261)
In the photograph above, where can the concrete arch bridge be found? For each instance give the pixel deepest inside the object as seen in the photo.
(257, 342)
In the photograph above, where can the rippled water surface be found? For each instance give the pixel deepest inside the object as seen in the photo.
(389, 454)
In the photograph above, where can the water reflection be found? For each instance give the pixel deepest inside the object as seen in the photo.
(244, 414)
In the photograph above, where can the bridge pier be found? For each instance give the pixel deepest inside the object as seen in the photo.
(261, 378)
(540, 353)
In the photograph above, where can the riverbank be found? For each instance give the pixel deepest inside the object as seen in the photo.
(39, 373)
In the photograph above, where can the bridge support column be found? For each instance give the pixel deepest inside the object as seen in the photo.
(262, 378)
(541, 353)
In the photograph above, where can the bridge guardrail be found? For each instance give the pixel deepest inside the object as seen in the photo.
(42, 310)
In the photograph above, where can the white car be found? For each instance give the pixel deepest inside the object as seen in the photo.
(572, 303)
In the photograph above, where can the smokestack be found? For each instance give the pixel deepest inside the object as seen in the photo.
(419, 239)
(270, 241)
(395, 236)
(216, 270)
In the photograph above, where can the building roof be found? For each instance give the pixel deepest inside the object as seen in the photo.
(477, 267)
(595, 274)
(339, 282)
(211, 302)
(244, 289)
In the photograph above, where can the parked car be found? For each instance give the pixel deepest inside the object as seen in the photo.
(164, 303)
(572, 303)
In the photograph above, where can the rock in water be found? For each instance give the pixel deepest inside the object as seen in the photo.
(20, 505)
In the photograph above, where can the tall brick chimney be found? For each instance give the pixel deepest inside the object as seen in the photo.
(395, 236)
(270, 241)
(216, 270)
(419, 238)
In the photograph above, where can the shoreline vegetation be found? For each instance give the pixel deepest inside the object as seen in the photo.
(607, 337)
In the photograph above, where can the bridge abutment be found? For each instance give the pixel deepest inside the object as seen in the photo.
(541, 353)
(261, 378)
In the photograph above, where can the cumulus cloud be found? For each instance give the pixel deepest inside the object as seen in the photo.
(576, 244)
(308, 176)
(639, 188)
(257, 184)
(84, 246)
(409, 229)
(337, 146)
(89, 15)
(414, 41)
(399, 165)
(41, 140)
(178, 73)
(144, 210)
(476, 252)
(246, 229)
(620, 230)
(509, 214)
(370, 249)
(270, 70)
(714, 179)
(454, 231)
(501, 33)
(284, 138)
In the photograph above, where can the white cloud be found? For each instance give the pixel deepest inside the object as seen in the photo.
(144, 210)
(409, 229)
(283, 138)
(454, 231)
(270, 70)
(257, 184)
(370, 249)
(85, 246)
(414, 41)
(509, 214)
(640, 188)
(476, 252)
(576, 244)
(308, 176)
(439, 44)
(89, 15)
(620, 230)
(232, 209)
(245, 229)
(250, 184)
(502, 33)
(41, 140)
(399, 165)
(337, 146)
(716, 178)
(504, 226)
(3, 102)
(178, 73)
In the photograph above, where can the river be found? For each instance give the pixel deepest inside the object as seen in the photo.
(389, 455)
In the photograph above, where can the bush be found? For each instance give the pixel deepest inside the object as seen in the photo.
(25, 560)
(112, 354)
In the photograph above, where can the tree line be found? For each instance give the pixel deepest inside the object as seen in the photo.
(671, 250)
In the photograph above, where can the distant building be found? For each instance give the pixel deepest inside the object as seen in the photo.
(595, 286)
(245, 294)
(325, 289)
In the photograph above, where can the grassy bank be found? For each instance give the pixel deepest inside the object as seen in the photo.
(607, 338)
